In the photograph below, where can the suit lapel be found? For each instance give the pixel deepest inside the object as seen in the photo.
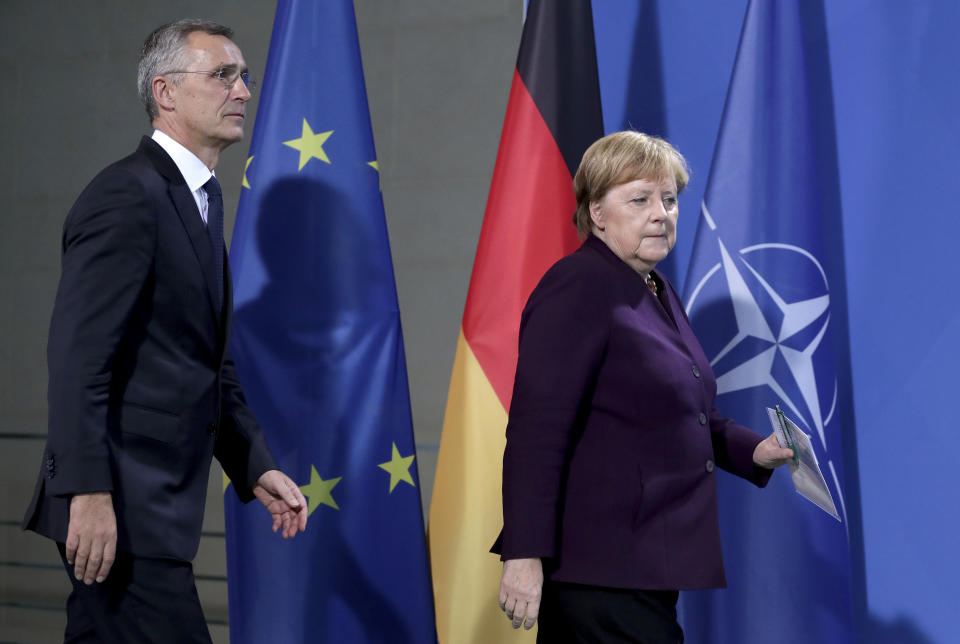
(227, 307)
(197, 232)
(186, 208)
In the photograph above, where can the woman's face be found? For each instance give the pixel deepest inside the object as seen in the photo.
(638, 221)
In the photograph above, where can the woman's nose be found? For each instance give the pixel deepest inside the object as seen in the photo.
(659, 211)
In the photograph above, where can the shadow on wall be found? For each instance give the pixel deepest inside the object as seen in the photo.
(319, 275)
(646, 105)
(899, 631)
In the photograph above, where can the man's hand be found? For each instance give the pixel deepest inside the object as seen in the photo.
(521, 585)
(284, 500)
(91, 536)
(770, 455)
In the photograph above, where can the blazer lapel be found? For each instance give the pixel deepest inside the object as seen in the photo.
(679, 315)
(634, 284)
(666, 303)
(186, 208)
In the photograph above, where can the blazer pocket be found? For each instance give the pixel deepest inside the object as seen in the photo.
(152, 423)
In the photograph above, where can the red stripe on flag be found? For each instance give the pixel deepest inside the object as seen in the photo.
(526, 228)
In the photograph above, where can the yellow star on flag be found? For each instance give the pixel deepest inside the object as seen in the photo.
(399, 468)
(318, 491)
(246, 184)
(310, 145)
(376, 166)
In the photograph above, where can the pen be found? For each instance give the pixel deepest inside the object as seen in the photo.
(788, 434)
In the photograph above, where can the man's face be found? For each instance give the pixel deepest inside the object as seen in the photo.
(208, 114)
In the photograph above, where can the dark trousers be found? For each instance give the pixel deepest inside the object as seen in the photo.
(576, 613)
(141, 600)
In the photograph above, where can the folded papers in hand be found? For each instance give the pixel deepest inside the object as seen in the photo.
(807, 478)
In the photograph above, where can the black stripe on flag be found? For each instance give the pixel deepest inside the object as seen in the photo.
(558, 65)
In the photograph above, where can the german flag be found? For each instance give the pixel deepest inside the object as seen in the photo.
(553, 115)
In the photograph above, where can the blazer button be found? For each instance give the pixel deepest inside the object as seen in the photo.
(696, 371)
(703, 418)
(709, 465)
(212, 429)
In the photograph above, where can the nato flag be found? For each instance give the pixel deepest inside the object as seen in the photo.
(318, 346)
(765, 293)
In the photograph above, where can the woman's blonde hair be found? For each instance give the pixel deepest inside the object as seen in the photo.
(619, 158)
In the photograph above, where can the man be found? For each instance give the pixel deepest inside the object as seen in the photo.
(142, 390)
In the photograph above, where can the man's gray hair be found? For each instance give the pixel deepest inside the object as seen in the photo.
(163, 51)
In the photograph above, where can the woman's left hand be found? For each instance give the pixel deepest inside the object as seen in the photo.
(521, 586)
(770, 455)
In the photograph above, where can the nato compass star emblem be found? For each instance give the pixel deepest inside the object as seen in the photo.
(777, 328)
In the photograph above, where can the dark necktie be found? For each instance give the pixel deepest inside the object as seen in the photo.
(215, 231)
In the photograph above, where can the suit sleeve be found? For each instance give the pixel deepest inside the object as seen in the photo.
(563, 335)
(241, 447)
(109, 243)
(733, 447)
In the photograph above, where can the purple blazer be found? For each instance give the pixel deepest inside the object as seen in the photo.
(608, 473)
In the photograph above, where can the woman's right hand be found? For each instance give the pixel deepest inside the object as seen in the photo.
(521, 585)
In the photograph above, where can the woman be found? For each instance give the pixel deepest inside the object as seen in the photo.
(609, 489)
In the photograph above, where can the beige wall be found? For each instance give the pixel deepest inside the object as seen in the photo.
(437, 72)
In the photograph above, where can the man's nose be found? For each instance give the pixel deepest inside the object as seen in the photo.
(240, 91)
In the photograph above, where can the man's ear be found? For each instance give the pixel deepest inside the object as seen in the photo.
(596, 215)
(163, 93)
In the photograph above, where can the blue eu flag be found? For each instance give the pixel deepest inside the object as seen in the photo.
(318, 347)
(766, 296)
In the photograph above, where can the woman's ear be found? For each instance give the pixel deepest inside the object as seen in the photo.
(596, 215)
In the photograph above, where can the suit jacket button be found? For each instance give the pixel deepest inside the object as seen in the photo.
(211, 429)
(709, 464)
(702, 418)
(696, 371)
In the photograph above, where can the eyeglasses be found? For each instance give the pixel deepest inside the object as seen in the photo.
(227, 75)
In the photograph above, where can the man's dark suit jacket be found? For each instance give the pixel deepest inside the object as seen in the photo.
(142, 392)
(608, 473)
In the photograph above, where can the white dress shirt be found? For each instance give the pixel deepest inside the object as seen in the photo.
(194, 171)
